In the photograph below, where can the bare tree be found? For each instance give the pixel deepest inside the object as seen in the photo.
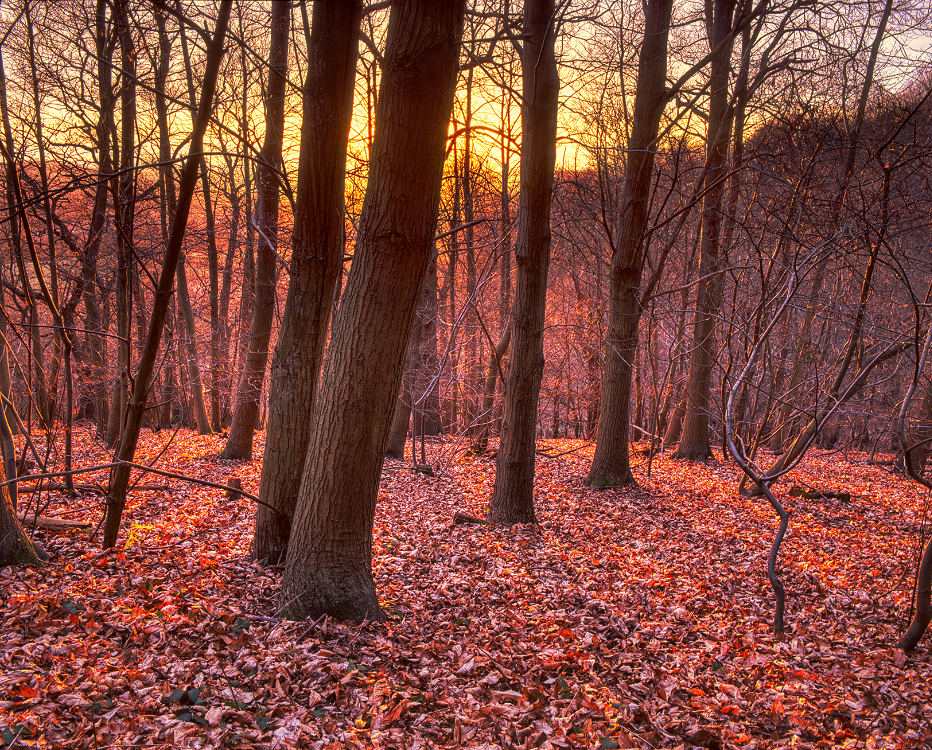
(611, 462)
(246, 408)
(129, 437)
(513, 494)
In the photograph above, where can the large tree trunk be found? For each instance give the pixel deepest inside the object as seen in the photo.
(329, 568)
(316, 260)
(695, 442)
(513, 494)
(15, 547)
(246, 409)
(136, 405)
(611, 464)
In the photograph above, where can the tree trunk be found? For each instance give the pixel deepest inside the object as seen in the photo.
(125, 209)
(513, 494)
(494, 373)
(317, 258)
(401, 416)
(119, 477)
(427, 380)
(329, 568)
(695, 443)
(15, 547)
(246, 410)
(611, 466)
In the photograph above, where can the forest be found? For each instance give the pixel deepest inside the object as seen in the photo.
(466, 374)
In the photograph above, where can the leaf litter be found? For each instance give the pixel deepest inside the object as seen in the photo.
(635, 618)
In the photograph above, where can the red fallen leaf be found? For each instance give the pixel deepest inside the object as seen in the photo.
(23, 691)
(392, 716)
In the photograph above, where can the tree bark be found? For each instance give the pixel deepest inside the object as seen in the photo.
(316, 262)
(15, 546)
(611, 465)
(513, 494)
(246, 410)
(329, 567)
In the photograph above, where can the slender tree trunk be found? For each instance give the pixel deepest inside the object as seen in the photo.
(126, 450)
(401, 416)
(513, 494)
(125, 220)
(427, 381)
(611, 466)
(329, 567)
(494, 373)
(246, 409)
(695, 442)
(316, 261)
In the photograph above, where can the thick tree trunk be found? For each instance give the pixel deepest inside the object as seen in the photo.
(513, 494)
(695, 443)
(246, 409)
(611, 466)
(15, 547)
(126, 450)
(316, 261)
(329, 568)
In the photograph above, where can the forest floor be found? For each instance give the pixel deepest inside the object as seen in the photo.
(631, 619)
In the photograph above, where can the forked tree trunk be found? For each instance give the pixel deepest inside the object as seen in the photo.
(611, 465)
(246, 409)
(513, 494)
(695, 442)
(329, 568)
(316, 261)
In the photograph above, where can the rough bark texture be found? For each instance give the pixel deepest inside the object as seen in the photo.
(15, 546)
(513, 495)
(316, 260)
(611, 464)
(246, 411)
(695, 442)
(119, 478)
(329, 567)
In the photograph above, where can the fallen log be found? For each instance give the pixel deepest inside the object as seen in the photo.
(47, 523)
